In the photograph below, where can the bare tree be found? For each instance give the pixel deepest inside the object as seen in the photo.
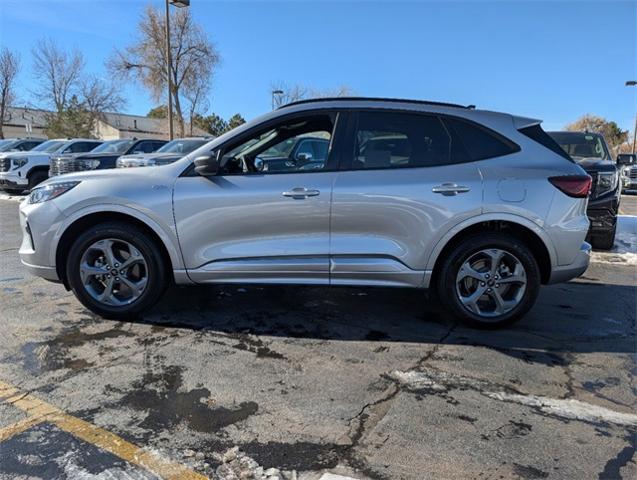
(192, 54)
(297, 92)
(9, 68)
(99, 95)
(196, 91)
(57, 72)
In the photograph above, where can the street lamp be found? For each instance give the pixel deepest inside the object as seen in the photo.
(180, 4)
(632, 83)
(274, 93)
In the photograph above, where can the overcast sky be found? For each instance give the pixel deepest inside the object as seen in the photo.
(551, 60)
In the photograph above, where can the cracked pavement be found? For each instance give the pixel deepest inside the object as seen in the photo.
(373, 382)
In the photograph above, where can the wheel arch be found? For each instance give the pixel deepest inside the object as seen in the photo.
(81, 221)
(530, 233)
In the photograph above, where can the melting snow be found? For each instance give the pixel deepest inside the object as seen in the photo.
(625, 249)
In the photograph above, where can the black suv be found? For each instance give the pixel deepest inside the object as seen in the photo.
(104, 156)
(590, 151)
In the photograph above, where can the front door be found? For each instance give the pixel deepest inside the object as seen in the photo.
(250, 224)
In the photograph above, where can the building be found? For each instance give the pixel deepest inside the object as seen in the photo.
(23, 122)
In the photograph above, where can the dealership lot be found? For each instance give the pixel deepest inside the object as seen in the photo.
(366, 383)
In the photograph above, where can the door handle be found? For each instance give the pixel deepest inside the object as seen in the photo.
(299, 193)
(449, 189)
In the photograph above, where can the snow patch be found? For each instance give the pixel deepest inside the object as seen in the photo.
(12, 198)
(568, 408)
(625, 249)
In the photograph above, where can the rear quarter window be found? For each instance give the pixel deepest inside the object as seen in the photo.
(479, 142)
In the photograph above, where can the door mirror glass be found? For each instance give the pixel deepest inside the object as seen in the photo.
(207, 165)
(626, 159)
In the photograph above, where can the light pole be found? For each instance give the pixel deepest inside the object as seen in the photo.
(632, 83)
(275, 92)
(176, 3)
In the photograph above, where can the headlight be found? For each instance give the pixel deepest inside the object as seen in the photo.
(51, 191)
(19, 162)
(606, 182)
(88, 164)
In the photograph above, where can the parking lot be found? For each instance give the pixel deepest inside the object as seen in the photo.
(361, 383)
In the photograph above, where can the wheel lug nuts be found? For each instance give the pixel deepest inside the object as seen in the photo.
(108, 276)
(122, 272)
(482, 284)
(487, 276)
(488, 289)
(116, 265)
(117, 279)
(497, 285)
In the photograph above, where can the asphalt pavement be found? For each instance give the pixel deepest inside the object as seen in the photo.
(357, 382)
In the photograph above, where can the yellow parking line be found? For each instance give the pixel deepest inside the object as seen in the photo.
(19, 427)
(40, 411)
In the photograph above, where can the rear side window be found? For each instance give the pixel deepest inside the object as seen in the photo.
(535, 132)
(81, 147)
(400, 140)
(479, 142)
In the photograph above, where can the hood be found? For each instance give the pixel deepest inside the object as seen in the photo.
(26, 154)
(145, 156)
(87, 155)
(110, 174)
(595, 164)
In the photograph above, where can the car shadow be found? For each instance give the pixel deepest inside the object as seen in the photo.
(574, 317)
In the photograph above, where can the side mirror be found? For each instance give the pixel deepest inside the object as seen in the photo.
(304, 157)
(207, 165)
(626, 159)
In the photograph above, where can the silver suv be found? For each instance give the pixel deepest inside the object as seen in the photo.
(481, 206)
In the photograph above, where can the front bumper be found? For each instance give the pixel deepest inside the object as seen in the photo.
(13, 180)
(602, 213)
(39, 223)
(579, 265)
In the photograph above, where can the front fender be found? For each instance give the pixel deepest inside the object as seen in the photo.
(163, 230)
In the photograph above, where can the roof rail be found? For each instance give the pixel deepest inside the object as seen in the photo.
(375, 99)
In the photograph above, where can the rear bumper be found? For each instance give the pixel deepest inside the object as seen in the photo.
(565, 273)
(48, 273)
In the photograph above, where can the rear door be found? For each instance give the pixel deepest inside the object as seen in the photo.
(403, 183)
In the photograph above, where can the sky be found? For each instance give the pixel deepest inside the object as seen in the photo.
(553, 60)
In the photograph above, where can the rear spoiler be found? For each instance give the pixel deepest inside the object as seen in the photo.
(523, 122)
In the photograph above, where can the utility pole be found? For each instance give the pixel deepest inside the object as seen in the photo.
(176, 3)
(633, 83)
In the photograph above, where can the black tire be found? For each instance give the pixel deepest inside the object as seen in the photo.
(605, 241)
(460, 253)
(156, 269)
(37, 177)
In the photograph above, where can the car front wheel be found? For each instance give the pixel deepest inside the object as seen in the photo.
(116, 270)
(489, 280)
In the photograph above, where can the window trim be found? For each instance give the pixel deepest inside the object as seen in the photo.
(333, 154)
(349, 144)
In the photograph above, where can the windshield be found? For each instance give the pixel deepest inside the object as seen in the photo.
(582, 145)
(49, 146)
(113, 146)
(182, 146)
(6, 145)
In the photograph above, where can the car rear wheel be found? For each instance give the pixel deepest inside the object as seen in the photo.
(116, 270)
(489, 280)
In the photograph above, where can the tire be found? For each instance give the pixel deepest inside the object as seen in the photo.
(37, 177)
(515, 298)
(122, 237)
(605, 241)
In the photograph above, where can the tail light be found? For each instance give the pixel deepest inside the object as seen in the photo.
(576, 186)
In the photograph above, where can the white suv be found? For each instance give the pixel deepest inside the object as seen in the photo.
(24, 170)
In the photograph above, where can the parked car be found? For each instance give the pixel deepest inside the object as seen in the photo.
(627, 162)
(299, 153)
(483, 206)
(22, 170)
(102, 157)
(10, 145)
(168, 153)
(590, 151)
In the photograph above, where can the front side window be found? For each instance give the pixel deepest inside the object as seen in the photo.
(81, 147)
(399, 140)
(296, 145)
(50, 146)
